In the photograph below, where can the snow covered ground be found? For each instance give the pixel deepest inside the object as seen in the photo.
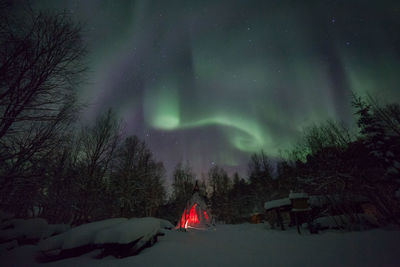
(243, 245)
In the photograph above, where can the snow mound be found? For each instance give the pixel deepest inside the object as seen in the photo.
(342, 221)
(164, 224)
(5, 216)
(129, 231)
(18, 228)
(52, 243)
(55, 229)
(8, 246)
(78, 236)
(84, 234)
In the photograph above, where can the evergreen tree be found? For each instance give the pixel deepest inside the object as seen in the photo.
(220, 184)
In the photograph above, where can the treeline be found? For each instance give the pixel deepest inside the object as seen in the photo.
(351, 169)
(231, 199)
(342, 169)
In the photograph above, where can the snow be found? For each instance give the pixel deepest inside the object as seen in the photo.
(78, 236)
(343, 221)
(8, 246)
(396, 164)
(32, 229)
(164, 224)
(52, 243)
(277, 203)
(84, 234)
(196, 198)
(5, 216)
(329, 221)
(389, 154)
(243, 245)
(306, 209)
(392, 170)
(318, 201)
(54, 229)
(117, 230)
(129, 231)
(297, 195)
(398, 193)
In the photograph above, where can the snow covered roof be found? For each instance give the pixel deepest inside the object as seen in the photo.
(297, 195)
(277, 203)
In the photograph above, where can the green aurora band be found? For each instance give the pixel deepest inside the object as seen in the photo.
(213, 81)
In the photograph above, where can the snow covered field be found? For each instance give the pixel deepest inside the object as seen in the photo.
(243, 245)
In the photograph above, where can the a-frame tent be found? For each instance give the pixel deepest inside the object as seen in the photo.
(196, 214)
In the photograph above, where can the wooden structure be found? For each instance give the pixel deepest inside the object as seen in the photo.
(300, 209)
(256, 218)
(278, 212)
(290, 211)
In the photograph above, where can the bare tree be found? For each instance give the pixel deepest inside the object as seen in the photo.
(137, 180)
(40, 59)
(40, 64)
(316, 137)
(97, 146)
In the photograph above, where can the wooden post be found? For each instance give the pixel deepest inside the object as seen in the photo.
(297, 222)
(280, 221)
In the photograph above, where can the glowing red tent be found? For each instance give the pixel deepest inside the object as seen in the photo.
(195, 214)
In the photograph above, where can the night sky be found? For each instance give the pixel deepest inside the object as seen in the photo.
(211, 82)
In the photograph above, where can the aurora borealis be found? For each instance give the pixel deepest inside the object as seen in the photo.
(211, 82)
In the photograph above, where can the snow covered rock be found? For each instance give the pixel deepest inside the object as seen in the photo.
(119, 237)
(164, 224)
(85, 233)
(129, 237)
(78, 236)
(129, 231)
